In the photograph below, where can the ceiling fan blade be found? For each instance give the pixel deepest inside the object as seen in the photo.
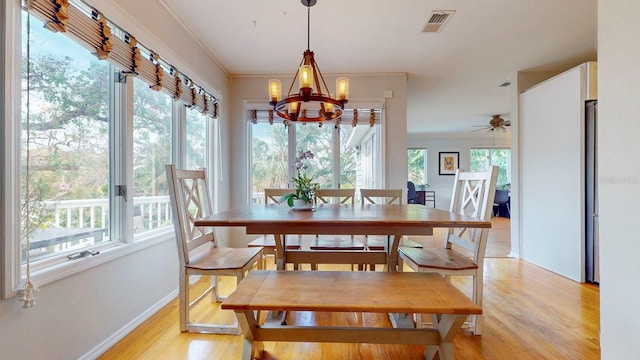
(506, 123)
(484, 128)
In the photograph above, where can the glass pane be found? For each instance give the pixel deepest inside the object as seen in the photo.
(269, 158)
(151, 152)
(68, 143)
(479, 160)
(502, 159)
(416, 161)
(363, 166)
(348, 158)
(318, 140)
(196, 139)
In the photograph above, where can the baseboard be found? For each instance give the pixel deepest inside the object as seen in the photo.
(125, 330)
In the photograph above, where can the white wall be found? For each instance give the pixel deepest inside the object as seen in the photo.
(443, 184)
(83, 314)
(552, 181)
(619, 176)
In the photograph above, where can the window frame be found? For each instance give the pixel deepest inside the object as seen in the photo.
(122, 242)
(379, 152)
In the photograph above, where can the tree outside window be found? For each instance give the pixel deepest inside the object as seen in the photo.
(482, 158)
(417, 166)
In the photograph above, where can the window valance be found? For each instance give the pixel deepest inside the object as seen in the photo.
(89, 27)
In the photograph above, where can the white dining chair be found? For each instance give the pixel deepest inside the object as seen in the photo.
(473, 194)
(198, 250)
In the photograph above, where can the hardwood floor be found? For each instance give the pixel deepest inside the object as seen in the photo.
(530, 313)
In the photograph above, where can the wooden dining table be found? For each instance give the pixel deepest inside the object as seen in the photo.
(394, 220)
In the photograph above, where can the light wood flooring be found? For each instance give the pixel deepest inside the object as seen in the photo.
(530, 313)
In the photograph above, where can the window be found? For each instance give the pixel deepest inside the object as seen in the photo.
(96, 142)
(417, 166)
(318, 140)
(269, 158)
(345, 156)
(151, 151)
(482, 158)
(68, 144)
(196, 139)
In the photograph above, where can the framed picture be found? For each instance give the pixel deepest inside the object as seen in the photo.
(449, 162)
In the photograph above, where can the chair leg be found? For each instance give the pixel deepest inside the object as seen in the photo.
(183, 302)
(476, 322)
(215, 294)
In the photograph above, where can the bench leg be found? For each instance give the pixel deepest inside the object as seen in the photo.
(251, 349)
(448, 326)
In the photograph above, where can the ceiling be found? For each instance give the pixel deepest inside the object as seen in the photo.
(454, 76)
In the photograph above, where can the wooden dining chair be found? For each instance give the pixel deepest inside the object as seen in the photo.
(374, 196)
(325, 242)
(379, 196)
(198, 249)
(266, 242)
(473, 194)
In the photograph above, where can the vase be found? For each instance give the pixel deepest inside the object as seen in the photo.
(299, 204)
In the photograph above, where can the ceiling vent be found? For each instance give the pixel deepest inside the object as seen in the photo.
(437, 21)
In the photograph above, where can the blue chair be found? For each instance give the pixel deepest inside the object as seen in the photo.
(411, 192)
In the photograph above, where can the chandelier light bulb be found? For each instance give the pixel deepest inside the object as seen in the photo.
(342, 88)
(275, 90)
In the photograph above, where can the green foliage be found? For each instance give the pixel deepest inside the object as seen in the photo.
(416, 166)
(306, 189)
(481, 159)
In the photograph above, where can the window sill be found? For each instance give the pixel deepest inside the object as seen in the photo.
(68, 268)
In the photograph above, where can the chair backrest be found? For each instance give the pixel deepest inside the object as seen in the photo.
(190, 200)
(389, 196)
(473, 194)
(411, 192)
(342, 196)
(272, 196)
(502, 197)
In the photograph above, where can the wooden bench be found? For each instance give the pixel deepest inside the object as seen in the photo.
(377, 292)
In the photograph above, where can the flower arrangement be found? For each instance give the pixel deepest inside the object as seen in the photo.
(305, 185)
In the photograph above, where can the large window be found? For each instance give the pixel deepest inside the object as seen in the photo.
(68, 143)
(482, 158)
(196, 139)
(89, 144)
(269, 158)
(345, 156)
(318, 140)
(151, 151)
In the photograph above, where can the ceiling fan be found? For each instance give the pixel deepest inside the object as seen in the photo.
(496, 125)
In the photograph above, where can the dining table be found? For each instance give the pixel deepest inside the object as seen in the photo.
(392, 220)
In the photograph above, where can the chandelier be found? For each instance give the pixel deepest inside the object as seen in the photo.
(313, 101)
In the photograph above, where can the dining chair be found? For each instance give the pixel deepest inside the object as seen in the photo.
(266, 241)
(501, 201)
(411, 192)
(198, 250)
(373, 196)
(464, 249)
(379, 196)
(325, 242)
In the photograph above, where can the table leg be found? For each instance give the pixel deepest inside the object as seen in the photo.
(251, 349)
(281, 248)
(392, 257)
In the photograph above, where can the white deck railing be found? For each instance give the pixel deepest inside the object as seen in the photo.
(94, 213)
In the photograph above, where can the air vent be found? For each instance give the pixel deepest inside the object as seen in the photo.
(437, 21)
